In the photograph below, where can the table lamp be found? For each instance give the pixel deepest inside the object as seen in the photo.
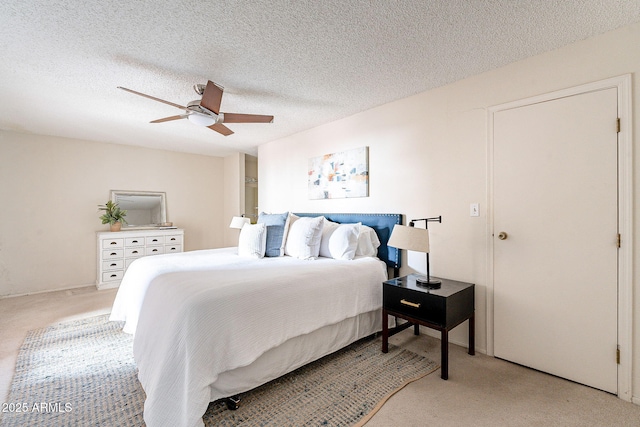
(239, 221)
(416, 239)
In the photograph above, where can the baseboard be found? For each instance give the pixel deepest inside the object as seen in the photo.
(107, 285)
(636, 400)
(48, 291)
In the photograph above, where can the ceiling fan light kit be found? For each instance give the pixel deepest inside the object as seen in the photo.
(201, 119)
(206, 112)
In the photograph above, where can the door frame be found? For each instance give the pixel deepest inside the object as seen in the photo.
(625, 217)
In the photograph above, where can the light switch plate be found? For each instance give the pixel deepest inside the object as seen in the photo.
(474, 209)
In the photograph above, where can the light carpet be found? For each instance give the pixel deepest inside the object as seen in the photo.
(83, 373)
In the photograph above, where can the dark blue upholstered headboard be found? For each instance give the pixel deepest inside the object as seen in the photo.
(381, 223)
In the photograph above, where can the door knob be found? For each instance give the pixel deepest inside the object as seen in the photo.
(502, 235)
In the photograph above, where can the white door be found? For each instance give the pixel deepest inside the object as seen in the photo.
(555, 273)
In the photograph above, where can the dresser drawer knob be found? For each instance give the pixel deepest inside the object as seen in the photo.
(113, 243)
(409, 303)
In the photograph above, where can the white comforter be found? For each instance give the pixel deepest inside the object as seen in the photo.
(198, 314)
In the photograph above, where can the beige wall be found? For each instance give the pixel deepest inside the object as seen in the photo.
(233, 194)
(428, 157)
(49, 191)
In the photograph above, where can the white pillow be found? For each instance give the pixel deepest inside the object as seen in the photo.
(304, 236)
(339, 241)
(368, 242)
(253, 240)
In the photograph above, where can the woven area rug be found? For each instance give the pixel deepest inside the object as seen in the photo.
(83, 373)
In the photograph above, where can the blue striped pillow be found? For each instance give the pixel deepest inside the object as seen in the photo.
(276, 229)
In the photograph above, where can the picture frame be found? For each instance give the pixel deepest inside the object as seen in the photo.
(339, 175)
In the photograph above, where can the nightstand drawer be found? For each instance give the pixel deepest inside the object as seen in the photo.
(420, 305)
(445, 307)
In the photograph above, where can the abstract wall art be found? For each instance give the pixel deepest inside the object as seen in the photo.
(339, 175)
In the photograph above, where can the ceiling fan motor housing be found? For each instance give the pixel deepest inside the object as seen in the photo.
(199, 88)
(202, 116)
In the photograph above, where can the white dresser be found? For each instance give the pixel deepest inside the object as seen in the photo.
(116, 250)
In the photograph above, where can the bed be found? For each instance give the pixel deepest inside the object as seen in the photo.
(211, 324)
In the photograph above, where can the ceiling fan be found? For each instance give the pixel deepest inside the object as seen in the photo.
(206, 111)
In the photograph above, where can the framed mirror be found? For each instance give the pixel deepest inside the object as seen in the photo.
(144, 208)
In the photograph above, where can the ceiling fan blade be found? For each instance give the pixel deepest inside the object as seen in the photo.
(168, 119)
(220, 128)
(154, 98)
(247, 118)
(212, 97)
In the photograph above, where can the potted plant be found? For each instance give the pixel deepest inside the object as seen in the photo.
(113, 215)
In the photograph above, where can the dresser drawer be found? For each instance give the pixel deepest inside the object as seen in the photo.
(172, 248)
(154, 250)
(134, 252)
(154, 240)
(173, 239)
(117, 250)
(113, 243)
(113, 253)
(110, 276)
(134, 241)
(115, 264)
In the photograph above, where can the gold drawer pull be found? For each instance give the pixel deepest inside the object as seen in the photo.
(409, 303)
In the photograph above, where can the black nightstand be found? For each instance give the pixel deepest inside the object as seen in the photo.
(441, 309)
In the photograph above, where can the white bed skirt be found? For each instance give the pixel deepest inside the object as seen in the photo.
(295, 353)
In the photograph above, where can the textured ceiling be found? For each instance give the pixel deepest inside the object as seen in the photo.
(305, 62)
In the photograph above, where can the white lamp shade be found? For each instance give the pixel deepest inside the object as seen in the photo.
(239, 221)
(410, 238)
